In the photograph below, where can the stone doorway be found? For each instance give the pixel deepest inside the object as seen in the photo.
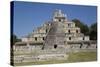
(55, 46)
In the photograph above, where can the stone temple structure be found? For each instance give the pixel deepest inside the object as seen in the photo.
(52, 40)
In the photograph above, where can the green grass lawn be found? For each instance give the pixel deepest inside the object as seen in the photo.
(73, 57)
(82, 56)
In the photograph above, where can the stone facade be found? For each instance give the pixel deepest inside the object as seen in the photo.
(59, 29)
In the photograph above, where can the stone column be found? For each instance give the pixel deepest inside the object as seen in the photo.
(28, 46)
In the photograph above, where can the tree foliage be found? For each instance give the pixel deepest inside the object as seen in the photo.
(86, 30)
(14, 39)
(93, 31)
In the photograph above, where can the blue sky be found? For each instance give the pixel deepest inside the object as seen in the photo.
(29, 15)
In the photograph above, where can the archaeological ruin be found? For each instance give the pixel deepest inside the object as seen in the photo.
(52, 41)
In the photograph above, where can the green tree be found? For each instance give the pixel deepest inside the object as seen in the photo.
(14, 39)
(93, 31)
(84, 28)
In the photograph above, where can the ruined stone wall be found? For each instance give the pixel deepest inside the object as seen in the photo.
(35, 53)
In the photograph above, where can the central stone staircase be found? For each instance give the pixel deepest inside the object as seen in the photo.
(55, 36)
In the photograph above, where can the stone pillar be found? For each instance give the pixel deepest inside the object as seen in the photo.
(28, 46)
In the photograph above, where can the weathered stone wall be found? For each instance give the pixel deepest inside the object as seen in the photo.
(33, 53)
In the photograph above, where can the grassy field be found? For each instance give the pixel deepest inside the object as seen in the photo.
(82, 56)
(73, 57)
